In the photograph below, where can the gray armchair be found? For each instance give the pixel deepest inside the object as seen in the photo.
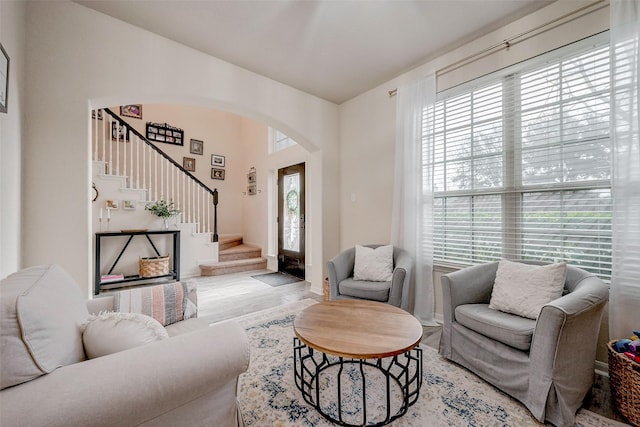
(548, 363)
(342, 285)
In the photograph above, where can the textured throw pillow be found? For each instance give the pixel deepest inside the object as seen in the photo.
(111, 332)
(167, 303)
(41, 309)
(374, 265)
(523, 289)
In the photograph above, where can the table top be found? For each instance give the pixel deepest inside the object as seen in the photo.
(357, 329)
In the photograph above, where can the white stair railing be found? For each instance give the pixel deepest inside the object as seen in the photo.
(129, 154)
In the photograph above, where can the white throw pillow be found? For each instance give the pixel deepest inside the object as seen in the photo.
(523, 289)
(111, 332)
(374, 265)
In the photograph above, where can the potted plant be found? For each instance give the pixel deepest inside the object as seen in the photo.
(163, 210)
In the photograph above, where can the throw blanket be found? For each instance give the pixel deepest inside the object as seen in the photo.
(166, 303)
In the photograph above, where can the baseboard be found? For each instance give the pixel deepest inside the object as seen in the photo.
(602, 368)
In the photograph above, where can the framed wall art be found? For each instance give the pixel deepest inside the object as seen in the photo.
(217, 160)
(4, 79)
(251, 190)
(100, 114)
(111, 204)
(134, 111)
(163, 132)
(129, 205)
(119, 132)
(189, 164)
(196, 146)
(251, 176)
(217, 173)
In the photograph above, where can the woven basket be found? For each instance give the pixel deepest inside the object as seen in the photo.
(154, 266)
(624, 378)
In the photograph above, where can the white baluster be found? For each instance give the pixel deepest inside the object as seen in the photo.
(104, 142)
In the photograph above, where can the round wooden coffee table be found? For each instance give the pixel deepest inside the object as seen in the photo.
(369, 335)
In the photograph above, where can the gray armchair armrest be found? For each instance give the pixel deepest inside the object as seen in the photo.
(155, 383)
(339, 268)
(471, 285)
(403, 266)
(559, 347)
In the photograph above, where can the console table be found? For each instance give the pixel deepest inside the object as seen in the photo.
(174, 272)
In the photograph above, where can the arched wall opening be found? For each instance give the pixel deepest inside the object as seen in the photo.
(242, 140)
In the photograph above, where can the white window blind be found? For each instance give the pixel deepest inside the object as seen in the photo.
(522, 165)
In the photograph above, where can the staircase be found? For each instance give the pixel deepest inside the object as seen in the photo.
(234, 256)
(133, 166)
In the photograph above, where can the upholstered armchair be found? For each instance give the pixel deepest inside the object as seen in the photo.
(546, 363)
(343, 286)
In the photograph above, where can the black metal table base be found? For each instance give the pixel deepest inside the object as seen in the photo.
(402, 372)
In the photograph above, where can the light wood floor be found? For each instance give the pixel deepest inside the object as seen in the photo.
(232, 295)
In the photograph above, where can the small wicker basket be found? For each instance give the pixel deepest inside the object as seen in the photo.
(624, 378)
(154, 266)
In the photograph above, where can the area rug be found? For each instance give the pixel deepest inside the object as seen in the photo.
(277, 279)
(450, 395)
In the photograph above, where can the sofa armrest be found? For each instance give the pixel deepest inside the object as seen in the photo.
(403, 266)
(471, 285)
(98, 304)
(563, 349)
(137, 385)
(339, 268)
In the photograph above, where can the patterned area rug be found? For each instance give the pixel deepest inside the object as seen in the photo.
(450, 395)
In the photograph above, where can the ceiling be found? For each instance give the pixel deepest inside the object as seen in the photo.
(334, 49)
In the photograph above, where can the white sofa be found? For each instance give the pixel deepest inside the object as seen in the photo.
(188, 379)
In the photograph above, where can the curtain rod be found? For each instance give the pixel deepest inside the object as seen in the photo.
(505, 44)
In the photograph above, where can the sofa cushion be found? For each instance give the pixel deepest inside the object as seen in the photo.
(111, 332)
(375, 265)
(509, 329)
(523, 289)
(42, 309)
(166, 303)
(376, 291)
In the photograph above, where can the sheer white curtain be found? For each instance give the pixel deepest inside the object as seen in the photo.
(624, 301)
(412, 216)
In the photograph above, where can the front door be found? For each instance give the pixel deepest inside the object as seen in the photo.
(291, 220)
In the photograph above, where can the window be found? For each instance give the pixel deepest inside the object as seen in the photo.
(521, 164)
(279, 141)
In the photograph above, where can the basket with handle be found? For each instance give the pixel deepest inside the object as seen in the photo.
(624, 378)
(154, 266)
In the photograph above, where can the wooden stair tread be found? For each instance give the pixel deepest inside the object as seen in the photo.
(233, 262)
(243, 247)
(226, 267)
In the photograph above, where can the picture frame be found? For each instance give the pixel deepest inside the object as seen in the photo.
(196, 147)
(189, 164)
(111, 204)
(100, 114)
(164, 132)
(251, 177)
(119, 132)
(217, 173)
(217, 160)
(134, 110)
(4, 80)
(251, 190)
(129, 205)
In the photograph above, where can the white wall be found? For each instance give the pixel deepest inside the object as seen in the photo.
(78, 59)
(12, 35)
